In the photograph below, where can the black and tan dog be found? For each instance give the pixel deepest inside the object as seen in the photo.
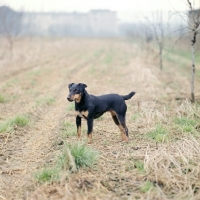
(91, 107)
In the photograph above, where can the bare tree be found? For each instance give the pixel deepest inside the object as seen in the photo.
(10, 26)
(156, 26)
(194, 26)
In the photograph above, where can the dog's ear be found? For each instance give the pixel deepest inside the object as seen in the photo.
(70, 85)
(82, 85)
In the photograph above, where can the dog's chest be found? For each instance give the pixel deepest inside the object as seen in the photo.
(82, 114)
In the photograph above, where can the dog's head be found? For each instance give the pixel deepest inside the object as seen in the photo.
(76, 91)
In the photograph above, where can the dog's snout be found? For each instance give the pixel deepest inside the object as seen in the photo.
(69, 98)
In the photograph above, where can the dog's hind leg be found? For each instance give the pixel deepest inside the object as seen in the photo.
(123, 127)
(120, 122)
(115, 118)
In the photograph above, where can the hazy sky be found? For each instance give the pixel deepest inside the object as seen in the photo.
(126, 8)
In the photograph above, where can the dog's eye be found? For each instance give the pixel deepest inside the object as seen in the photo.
(75, 90)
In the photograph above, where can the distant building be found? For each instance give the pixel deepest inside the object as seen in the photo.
(100, 23)
(10, 22)
(94, 23)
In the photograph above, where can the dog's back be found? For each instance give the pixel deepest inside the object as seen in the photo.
(109, 102)
(112, 98)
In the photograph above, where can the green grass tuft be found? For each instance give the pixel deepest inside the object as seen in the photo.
(184, 121)
(2, 99)
(5, 126)
(19, 120)
(84, 156)
(146, 186)
(159, 134)
(139, 165)
(186, 125)
(72, 158)
(47, 175)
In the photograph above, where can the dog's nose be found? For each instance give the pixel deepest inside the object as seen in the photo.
(69, 98)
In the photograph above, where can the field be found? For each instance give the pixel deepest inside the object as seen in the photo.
(38, 131)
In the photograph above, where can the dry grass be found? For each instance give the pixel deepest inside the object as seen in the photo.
(175, 168)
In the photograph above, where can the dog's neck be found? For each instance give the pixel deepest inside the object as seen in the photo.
(84, 96)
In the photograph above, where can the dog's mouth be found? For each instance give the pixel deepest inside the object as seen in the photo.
(76, 97)
(70, 98)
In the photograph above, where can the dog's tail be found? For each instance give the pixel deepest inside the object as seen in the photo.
(126, 97)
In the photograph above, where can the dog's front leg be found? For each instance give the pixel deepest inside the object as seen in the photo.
(78, 124)
(90, 129)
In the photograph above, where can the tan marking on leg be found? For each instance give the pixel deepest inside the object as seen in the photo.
(123, 133)
(113, 113)
(125, 138)
(79, 132)
(89, 138)
(121, 128)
